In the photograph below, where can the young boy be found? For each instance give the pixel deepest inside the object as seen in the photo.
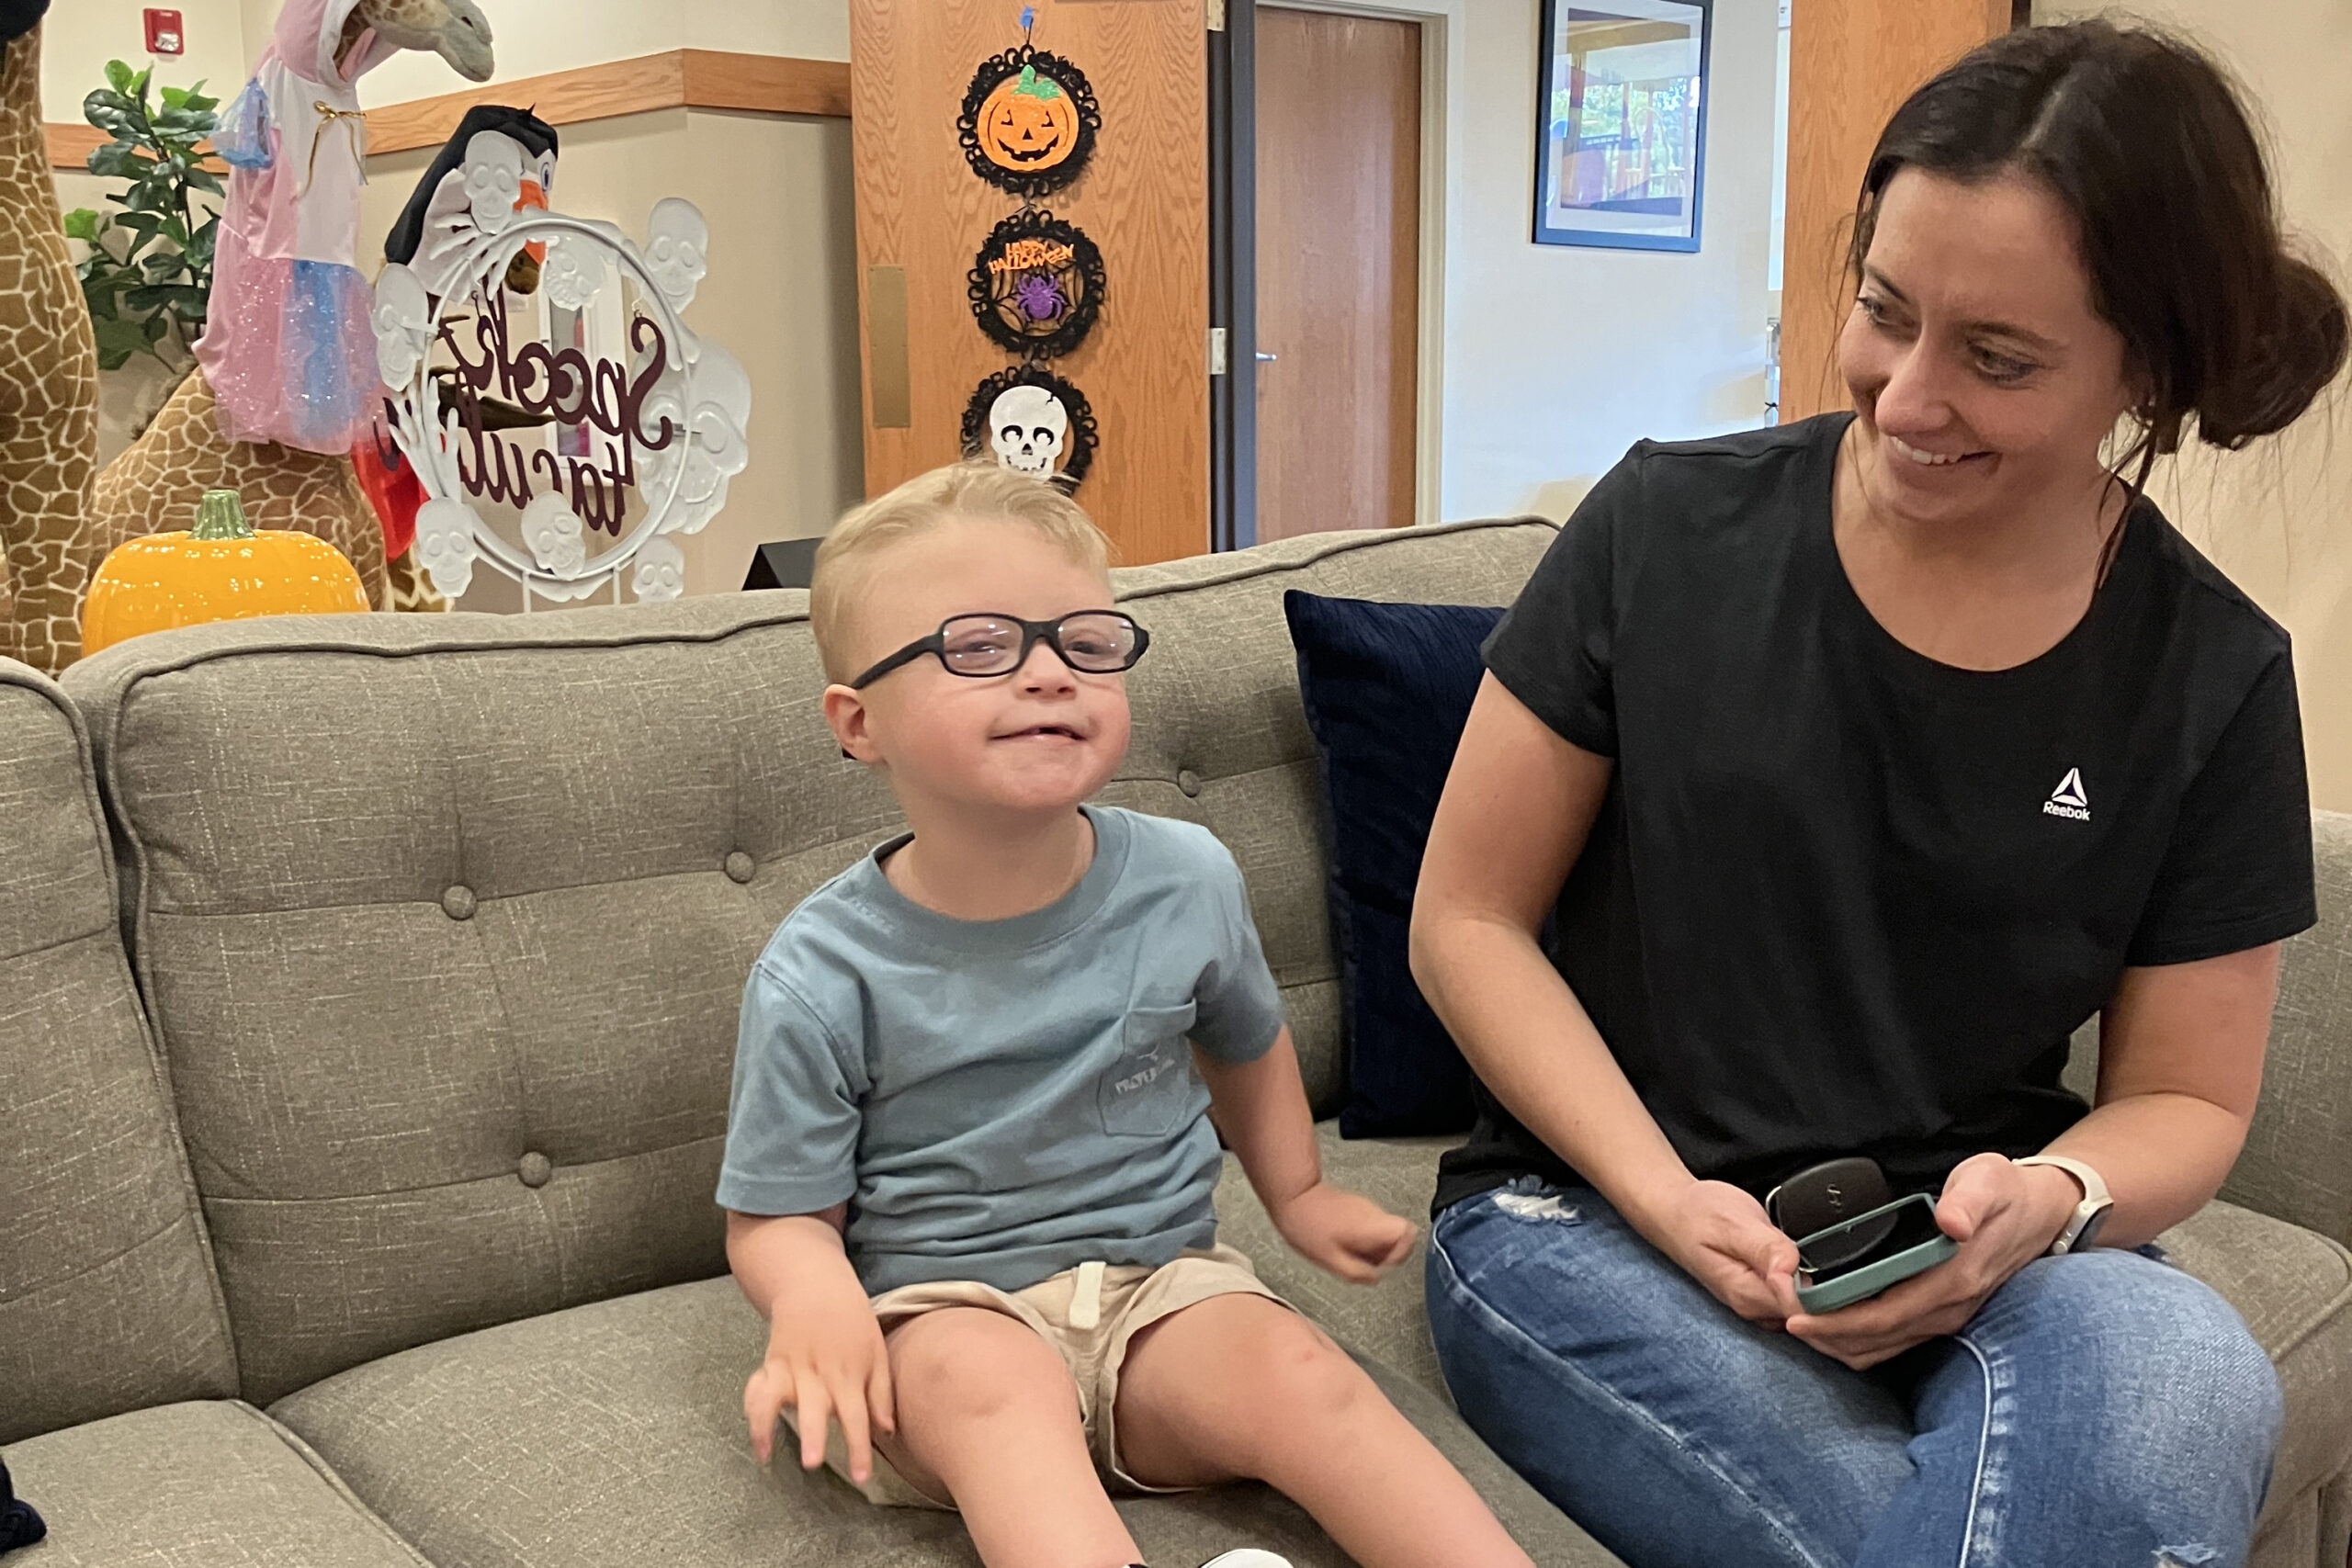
(969, 1162)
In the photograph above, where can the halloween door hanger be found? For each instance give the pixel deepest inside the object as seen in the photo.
(1034, 423)
(1029, 121)
(1036, 284)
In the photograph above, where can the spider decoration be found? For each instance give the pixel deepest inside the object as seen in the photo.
(1036, 284)
(1040, 298)
(1034, 423)
(1028, 121)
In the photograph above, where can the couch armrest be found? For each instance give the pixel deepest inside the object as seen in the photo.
(2297, 1164)
(2298, 1160)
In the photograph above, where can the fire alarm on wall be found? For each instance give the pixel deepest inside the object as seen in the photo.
(163, 34)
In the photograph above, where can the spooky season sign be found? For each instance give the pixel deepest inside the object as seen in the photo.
(565, 436)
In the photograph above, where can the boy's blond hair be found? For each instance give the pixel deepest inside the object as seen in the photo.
(980, 489)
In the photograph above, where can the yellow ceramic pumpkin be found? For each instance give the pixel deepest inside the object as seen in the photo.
(221, 570)
(1028, 123)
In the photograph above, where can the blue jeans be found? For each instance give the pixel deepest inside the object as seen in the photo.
(2100, 1409)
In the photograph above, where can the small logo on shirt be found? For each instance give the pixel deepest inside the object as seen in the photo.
(2068, 799)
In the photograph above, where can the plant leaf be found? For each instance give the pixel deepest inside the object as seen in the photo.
(119, 337)
(114, 160)
(82, 225)
(119, 75)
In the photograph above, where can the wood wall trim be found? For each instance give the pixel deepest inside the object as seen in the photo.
(679, 78)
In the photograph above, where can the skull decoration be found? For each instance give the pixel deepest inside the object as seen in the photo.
(660, 571)
(551, 529)
(1028, 428)
(677, 245)
(444, 545)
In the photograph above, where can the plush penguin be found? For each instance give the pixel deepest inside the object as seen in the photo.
(437, 224)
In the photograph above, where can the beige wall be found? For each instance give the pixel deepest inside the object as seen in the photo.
(2278, 518)
(1556, 359)
(78, 37)
(534, 37)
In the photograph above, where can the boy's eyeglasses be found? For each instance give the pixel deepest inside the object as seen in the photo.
(1094, 642)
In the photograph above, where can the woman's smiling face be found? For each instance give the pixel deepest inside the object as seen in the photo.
(1984, 378)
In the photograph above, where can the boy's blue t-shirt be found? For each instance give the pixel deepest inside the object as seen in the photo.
(999, 1101)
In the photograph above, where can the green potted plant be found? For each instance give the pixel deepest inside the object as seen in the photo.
(149, 269)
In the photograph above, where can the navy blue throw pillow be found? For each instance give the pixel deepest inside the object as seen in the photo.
(1387, 688)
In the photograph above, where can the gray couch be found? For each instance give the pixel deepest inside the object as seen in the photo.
(367, 995)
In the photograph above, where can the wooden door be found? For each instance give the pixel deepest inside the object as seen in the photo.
(1851, 63)
(1143, 198)
(1339, 170)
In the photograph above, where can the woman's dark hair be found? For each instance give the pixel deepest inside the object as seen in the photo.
(2143, 140)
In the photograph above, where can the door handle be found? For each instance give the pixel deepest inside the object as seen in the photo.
(1265, 358)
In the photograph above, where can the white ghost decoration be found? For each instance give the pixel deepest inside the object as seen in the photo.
(552, 531)
(1028, 427)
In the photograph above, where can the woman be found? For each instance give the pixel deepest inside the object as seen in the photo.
(1864, 759)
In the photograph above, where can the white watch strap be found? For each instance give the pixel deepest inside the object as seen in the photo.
(2096, 1197)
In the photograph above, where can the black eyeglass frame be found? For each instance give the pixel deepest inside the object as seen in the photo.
(1032, 634)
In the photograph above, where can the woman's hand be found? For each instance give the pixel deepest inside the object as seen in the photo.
(1720, 1236)
(2003, 1215)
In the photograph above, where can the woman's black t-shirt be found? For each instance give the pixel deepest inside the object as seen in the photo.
(1842, 898)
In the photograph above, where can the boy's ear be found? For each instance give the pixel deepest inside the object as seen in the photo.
(845, 715)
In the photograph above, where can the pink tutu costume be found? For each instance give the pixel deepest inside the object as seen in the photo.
(287, 346)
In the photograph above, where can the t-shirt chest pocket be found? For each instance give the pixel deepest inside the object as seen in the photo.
(1142, 1093)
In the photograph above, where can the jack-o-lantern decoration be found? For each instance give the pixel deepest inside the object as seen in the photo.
(221, 570)
(1029, 121)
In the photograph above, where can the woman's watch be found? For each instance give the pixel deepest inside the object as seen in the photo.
(2090, 1216)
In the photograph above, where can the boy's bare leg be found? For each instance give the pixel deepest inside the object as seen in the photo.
(988, 1417)
(1238, 1386)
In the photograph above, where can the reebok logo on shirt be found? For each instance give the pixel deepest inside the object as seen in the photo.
(2068, 799)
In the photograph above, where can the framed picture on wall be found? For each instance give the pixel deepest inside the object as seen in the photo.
(1620, 112)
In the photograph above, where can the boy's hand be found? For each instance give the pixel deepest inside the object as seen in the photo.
(825, 1356)
(826, 1360)
(1344, 1233)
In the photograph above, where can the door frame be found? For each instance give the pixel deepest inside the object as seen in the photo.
(1233, 267)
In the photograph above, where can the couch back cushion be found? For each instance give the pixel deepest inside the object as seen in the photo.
(107, 1301)
(444, 921)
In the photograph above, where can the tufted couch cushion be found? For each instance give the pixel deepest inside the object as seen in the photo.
(106, 1296)
(445, 920)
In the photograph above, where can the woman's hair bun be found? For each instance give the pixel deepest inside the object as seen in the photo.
(2285, 364)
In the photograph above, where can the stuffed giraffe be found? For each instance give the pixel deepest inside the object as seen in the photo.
(289, 137)
(49, 382)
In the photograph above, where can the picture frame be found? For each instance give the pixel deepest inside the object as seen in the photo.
(1620, 123)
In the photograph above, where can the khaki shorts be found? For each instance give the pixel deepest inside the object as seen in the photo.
(1088, 1315)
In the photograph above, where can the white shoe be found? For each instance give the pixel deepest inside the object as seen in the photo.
(1247, 1557)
